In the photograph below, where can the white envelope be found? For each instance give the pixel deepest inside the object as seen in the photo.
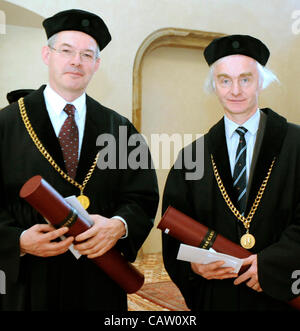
(204, 256)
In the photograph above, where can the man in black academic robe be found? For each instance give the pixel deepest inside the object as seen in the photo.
(275, 225)
(62, 282)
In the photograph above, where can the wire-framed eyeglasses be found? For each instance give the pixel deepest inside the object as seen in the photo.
(69, 53)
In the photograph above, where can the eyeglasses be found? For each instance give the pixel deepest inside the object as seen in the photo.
(69, 53)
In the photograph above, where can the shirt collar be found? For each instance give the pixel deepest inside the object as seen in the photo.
(251, 124)
(58, 103)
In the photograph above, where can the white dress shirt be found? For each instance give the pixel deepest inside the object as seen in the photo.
(232, 139)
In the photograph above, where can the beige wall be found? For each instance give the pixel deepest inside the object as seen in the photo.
(131, 21)
(18, 47)
(172, 78)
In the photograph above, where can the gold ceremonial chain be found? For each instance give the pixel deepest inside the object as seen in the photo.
(247, 240)
(84, 200)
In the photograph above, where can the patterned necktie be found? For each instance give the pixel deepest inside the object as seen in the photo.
(239, 173)
(68, 139)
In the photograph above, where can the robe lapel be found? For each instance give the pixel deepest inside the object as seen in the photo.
(275, 132)
(95, 124)
(257, 146)
(218, 148)
(41, 123)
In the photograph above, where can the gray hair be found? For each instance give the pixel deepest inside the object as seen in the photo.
(52, 41)
(266, 77)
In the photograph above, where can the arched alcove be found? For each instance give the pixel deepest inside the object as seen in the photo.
(20, 16)
(169, 71)
(166, 37)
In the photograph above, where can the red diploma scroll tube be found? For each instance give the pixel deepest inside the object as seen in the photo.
(191, 232)
(50, 204)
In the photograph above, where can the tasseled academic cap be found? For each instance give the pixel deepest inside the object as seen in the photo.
(78, 20)
(14, 96)
(236, 44)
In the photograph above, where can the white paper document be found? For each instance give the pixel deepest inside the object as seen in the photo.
(204, 256)
(73, 201)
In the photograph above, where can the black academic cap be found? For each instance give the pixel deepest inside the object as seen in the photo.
(14, 96)
(78, 20)
(236, 44)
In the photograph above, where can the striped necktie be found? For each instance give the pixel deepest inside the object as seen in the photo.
(68, 139)
(239, 173)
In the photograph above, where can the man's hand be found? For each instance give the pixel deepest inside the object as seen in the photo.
(250, 275)
(213, 270)
(101, 237)
(37, 240)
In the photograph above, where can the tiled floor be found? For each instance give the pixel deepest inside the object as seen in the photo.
(151, 265)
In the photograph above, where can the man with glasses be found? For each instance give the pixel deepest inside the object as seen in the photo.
(249, 193)
(42, 274)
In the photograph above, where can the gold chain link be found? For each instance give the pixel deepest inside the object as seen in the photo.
(245, 220)
(45, 153)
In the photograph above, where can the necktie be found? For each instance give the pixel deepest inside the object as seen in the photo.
(239, 173)
(68, 139)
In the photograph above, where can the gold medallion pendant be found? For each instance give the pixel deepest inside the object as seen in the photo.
(247, 241)
(84, 200)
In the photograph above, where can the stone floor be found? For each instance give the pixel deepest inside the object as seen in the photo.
(151, 265)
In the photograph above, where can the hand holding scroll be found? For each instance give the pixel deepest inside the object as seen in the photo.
(99, 238)
(38, 241)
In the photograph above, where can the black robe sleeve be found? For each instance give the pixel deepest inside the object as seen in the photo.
(10, 246)
(277, 262)
(177, 193)
(137, 195)
(9, 239)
